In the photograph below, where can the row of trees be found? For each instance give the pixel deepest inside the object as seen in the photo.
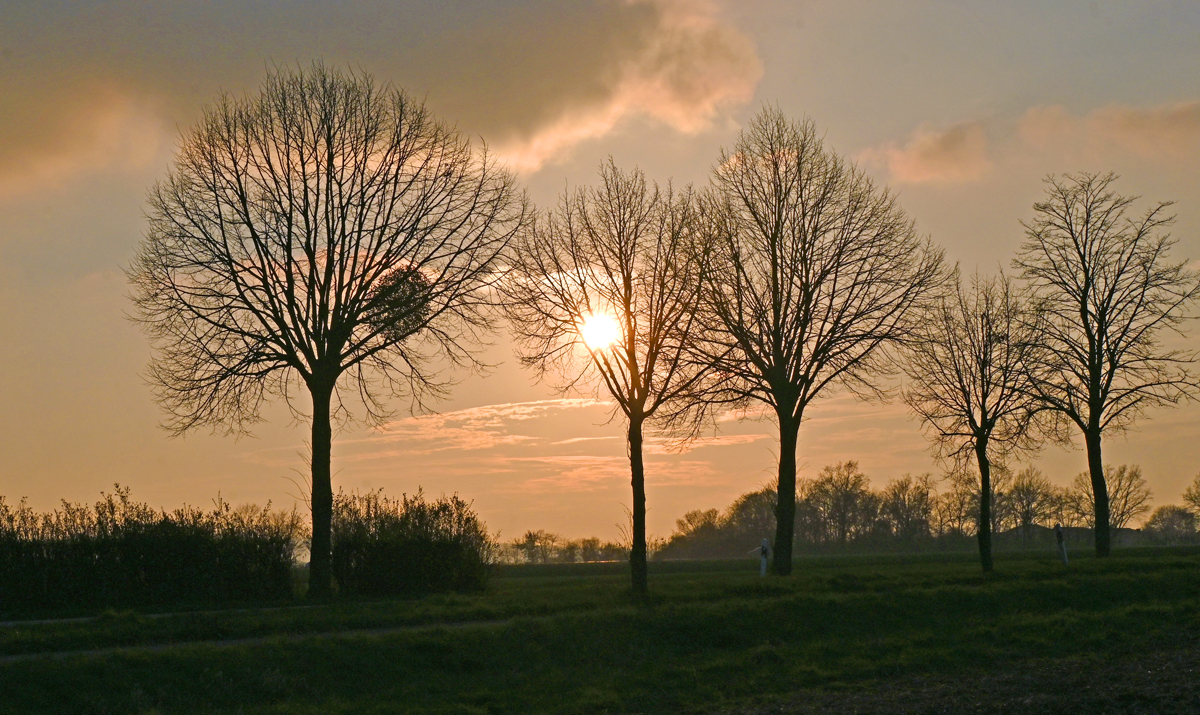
(328, 237)
(543, 547)
(839, 510)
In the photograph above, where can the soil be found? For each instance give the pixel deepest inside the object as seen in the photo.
(1158, 683)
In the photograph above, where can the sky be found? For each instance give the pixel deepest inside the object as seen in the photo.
(961, 108)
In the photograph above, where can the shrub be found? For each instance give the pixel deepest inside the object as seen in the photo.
(119, 553)
(384, 546)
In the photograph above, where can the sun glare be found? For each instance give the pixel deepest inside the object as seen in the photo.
(599, 331)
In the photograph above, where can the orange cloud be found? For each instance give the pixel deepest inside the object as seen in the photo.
(955, 155)
(1166, 133)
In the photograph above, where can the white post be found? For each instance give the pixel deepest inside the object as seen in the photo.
(765, 549)
(1062, 543)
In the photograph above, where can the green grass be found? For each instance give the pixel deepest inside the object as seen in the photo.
(570, 640)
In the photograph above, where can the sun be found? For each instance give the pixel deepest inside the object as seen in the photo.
(599, 331)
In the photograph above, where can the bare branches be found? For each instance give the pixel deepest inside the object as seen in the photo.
(622, 250)
(279, 244)
(971, 370)
(812, 272)
(1107, 289)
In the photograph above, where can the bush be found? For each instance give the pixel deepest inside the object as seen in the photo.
(385, 547)
(119, 553)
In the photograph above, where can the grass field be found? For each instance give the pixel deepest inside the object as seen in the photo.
(855, 634)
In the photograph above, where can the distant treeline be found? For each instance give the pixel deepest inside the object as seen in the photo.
(542, 547)
(839, 511)
(120, 553)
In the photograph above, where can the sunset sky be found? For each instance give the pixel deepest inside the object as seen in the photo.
(962, 108)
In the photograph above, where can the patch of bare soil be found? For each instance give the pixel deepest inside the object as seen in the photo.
(1158, 683)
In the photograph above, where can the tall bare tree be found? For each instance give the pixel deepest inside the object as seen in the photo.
(1108, 290)
(325, 237)
(970, 367)
(811, 274)
(615, 255)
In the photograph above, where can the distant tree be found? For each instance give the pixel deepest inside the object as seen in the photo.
(1128, 495)
(956, 511)
(1108, 291)
(1171, 525)
(324, 240)
(602, 293)
(697, 522)
(971, 365)
(590, 549)
(841, 495)
(537, 547)
(1032, 499)
(811, 274)
(1191, 496)
(751, 517)
(907, 505)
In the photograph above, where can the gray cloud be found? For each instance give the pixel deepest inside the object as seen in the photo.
(533, 77)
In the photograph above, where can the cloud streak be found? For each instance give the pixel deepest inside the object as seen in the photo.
(1167, 133)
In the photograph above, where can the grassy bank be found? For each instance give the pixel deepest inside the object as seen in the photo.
(566, 639)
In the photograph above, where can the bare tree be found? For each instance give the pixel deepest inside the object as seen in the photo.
(908, 504)
(614, 259)
(970, 367)
(1108, 290)
(811, 274)
(1128, 496)
(843, 501)
(1171, 525)
(324, 237)
(1032, 499)
(1191, 495)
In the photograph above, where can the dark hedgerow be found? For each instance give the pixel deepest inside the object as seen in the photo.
(119, 553)
(384, 546)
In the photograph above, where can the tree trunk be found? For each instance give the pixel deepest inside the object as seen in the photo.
(320, 572)
(785, 506)
(1099, 492)
(637, 551)
(985, 506)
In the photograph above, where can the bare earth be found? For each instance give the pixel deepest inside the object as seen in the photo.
(1159, 683)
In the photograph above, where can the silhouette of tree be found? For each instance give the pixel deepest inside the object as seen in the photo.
(811, 273)
(618, 250)
(325, 237)
(1032, 499)
(970, 368)
(907, 505)
(842, 498)
(1191, 495)
(1128, 496)
(1171, 525)
(1107, 289)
